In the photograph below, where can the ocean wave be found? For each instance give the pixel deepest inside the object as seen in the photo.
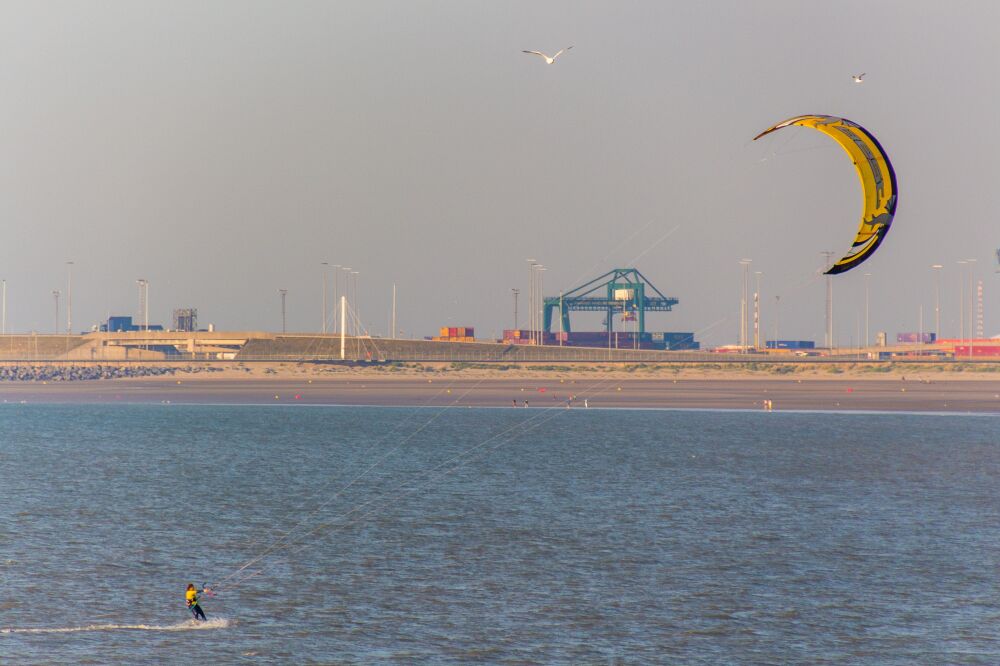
(189, 625)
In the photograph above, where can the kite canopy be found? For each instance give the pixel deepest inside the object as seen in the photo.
(878, 181)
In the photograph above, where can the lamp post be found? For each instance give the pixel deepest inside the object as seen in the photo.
(336, 293)
(777, 315)
(324, 265)
(357, 305)
(55, 296)
(515, 292)
(69, 297)
(756, 312)
(144, 302)
(346, 293)
(937, 300)
(744, 304)
(829, 303)
(284, 293)
(867, 327)
(961, 303)
(972, 335)
(972, 270)
(540, 305)
(531, 297)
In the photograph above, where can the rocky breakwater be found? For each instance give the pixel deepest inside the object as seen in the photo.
(70, 373)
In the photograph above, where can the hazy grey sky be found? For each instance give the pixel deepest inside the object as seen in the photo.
(223, 150)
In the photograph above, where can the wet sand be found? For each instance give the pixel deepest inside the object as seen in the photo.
(847, 394)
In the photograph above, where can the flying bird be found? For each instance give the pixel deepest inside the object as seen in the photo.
(548, 60)
(859, 78)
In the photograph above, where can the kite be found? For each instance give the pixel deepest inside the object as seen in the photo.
(878, 181)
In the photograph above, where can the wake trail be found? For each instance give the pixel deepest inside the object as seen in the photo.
(190, 625)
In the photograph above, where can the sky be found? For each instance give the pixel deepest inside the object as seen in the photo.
(225, 150)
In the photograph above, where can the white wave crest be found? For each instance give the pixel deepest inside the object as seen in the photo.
(190, 625)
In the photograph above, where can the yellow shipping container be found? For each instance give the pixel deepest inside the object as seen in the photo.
(443, 332)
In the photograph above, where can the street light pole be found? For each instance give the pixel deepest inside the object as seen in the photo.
(144, 302)
(55, 295)
(540, 306)
(346, 294)
(561, 332)
(829, 303)
(867, 328)
(756, 312)
(972, 335)
(777, 316)
(961, 303)
(744, 305)
(971, 303)
(357, 305)
(284, 293)
(324, 265)
(937, 300)
(336, 293)
(515, 292)
(531, 297)
(69, 298)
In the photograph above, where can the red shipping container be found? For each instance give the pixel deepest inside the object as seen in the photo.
(977, 350)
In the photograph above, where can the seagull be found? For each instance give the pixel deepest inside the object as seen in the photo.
(548, 60)
(859, 78)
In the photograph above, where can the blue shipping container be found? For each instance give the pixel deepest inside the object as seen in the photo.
(790, 344)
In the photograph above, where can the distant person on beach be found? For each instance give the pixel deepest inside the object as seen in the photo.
(193, 596)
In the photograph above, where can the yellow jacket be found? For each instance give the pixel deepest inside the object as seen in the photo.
(192, 597)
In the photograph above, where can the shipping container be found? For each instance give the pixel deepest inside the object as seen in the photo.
(977, 350)
(443, 332)
(910, 337)
(790, 344)
(120, 324)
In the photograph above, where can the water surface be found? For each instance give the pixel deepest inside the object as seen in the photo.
(564, 536)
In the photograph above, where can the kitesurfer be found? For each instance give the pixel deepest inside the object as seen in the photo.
(193, 595)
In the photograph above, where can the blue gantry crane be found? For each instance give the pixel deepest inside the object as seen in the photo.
(623, 292)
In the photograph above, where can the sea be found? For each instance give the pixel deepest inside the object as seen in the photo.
(382, 535)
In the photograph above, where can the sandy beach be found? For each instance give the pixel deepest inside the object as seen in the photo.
(811, 388)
